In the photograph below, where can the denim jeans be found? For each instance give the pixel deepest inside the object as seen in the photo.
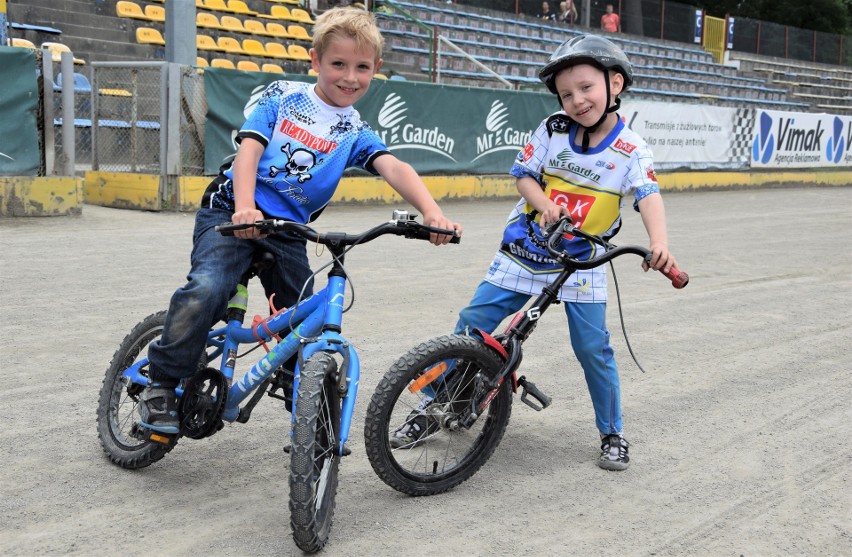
(217, 263)
(589, 339)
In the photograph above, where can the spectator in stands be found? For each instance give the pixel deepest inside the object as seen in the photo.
(546, 13)
(286, 141)
(567, 12)
(610, 22)
(579, 162)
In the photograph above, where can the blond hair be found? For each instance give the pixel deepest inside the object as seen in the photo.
(352, 23)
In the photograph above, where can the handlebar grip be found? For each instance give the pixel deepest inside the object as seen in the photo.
(679, 278)
(228, 229)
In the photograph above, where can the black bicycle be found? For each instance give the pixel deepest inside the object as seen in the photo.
(453, 390)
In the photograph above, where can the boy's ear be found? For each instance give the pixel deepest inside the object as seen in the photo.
(616, 82)
(315, 60)
(378, 66)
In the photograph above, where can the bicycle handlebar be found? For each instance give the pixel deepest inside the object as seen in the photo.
(405, 226)
(564, 225)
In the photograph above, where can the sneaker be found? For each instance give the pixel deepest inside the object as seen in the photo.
(614, 452)
(417, 427)
(158, 409)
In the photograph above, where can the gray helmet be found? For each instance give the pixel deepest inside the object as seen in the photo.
(586, 49)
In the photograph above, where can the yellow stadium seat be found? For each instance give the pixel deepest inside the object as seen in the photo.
(248, 66)
(255, 27)
(312, 71)
(222, 63)
(277, 30)
(126, 8)
(298, 52)
(298, 32)
(300, 15)
(279, 12)
(207, 20)
(200, 4)
(23, 43)
(149, 35)
(240, 7)
(206, 42)
(155, 13)
(277, 50)
(214, 5)
(380, 76)
(56, 50)
(252, 47)
(201, 62)
(229, 44)
(109, 92)
(231, 23)
(271, 68)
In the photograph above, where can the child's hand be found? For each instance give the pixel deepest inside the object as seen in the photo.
(247, 216)
(661, 259)
(438, 220)
(551, 214)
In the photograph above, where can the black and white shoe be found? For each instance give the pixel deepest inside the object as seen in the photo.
(158, 409)
(614, 452)
(417, 427)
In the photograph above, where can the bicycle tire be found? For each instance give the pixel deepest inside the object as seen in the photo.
(118, 428)
(314, 460)
(438, 464)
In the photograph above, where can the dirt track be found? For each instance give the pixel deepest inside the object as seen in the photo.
(739, 428)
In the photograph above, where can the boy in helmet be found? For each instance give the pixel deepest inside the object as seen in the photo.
(293, 150)
(581, 161)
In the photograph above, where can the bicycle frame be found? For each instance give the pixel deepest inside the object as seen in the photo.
(317, 328)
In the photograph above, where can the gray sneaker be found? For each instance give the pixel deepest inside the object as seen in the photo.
(417, 427)
(158, 409)
(614, 452)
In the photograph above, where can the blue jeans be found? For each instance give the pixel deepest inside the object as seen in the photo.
(217, 263)
(589, 339)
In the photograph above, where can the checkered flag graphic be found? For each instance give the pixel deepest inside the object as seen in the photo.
(742, 132)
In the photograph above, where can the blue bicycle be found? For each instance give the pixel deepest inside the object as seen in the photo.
(321, 395)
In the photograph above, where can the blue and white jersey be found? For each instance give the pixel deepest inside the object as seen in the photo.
(591, 185)
(308, 145)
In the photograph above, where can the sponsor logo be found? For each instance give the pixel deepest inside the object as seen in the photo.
(578, 205)
(649, 172)
(499, 136)
(623, 146)
(836, 144)
(397, 134)
(301, 135)
(300, 116)
(764, 141)
(605, 165)
(528, 152)
(563, 161)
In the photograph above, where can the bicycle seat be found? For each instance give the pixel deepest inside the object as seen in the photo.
(260, 261)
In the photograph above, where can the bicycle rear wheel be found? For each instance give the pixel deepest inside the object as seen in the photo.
(118, 419)
(447, 370)
(314, 453)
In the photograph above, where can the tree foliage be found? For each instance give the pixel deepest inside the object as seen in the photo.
(830, 16)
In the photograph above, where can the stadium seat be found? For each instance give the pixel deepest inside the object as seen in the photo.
(277, 50)
(274, 29)
(214, 5)
(126, 8)
(56, 50)
(240, 7)
(298, 52)
(206, 42)
(222, 63)
(201, 62)
(23, 43)
(255, 27)
(149, 35)
(200, 4)
(81, 83)
(300, 15)
(380, 76)
(271, 68)
(252, 47)
(298, 32)
(232, 24)
(155, 13)
(397, 77)
(110, 92)
(312, 71)
(206, 20)
(278, 12)
(248, 65)
(230, 45)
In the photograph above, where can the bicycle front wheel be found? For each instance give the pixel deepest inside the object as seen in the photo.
(314, 453)
(413, 434)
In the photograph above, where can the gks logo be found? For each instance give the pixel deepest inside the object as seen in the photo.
(400, 135)
(764, 141)
(836, 144)
(578, 205)
(499, 137)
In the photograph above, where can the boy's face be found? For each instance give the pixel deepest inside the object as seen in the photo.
(344, 73)
(582, 92)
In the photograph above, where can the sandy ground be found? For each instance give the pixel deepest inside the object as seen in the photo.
(738, 429)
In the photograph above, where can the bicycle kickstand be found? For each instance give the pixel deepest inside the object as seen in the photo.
(530, 390)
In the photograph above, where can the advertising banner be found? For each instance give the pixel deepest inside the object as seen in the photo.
(19, 145)
(688, 135)
(436, 129)
(800, 140)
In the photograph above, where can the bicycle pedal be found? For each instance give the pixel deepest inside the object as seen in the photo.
(158, 437)
(530, 390)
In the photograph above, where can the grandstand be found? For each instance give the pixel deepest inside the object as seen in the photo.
(275, 34)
